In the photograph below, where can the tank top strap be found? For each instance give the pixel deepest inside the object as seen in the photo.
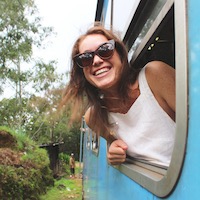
(143, 85)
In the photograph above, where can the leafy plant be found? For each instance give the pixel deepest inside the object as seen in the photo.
(64, 157)
(26, 173)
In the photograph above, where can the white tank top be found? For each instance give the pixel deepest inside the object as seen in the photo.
(146, 128)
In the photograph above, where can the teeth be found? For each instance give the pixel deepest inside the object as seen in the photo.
(101, 71)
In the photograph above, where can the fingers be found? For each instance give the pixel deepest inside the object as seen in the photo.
(117, 152)
(119, 143)
(116, 160)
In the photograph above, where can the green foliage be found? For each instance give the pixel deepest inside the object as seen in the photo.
(27, 177)
(20, 113)
(44, 75)
(10, 112)
(64, 157)
(36, 116)
(38, 159)
(64, 163)
(72, 138)
(20, 31)
(41, 121)
(20, 183)
(24, 143)
(6, 129)
(21, 28)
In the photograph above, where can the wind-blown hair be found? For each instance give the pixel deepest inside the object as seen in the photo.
(81, 95)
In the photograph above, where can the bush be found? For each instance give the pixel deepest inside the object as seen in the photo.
(64, 162)
(64, 157)
(20, 183)
(37, 158)
(26, 173)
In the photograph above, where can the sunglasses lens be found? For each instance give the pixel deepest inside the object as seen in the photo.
(84, 59)
(105, 51)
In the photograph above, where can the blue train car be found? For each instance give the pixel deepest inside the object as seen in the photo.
(166, 30)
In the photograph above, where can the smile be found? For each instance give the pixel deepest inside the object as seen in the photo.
(101, 71)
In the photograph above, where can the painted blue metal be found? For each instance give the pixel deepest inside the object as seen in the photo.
(103, 182)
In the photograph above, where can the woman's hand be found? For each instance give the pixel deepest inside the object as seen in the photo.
(117, 152)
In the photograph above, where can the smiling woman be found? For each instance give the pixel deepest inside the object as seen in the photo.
(123, 104)
(106, 70)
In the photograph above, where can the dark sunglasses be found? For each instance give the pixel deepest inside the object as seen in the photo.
(104, 51)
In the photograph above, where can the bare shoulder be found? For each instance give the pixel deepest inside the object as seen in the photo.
(161, 79)
(159, 75)
(155, 68)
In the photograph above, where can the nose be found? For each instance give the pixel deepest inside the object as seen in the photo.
(97, 60)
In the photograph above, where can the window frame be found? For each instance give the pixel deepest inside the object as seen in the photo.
(155, 179)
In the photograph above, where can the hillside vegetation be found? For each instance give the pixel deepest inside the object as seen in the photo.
(24, 167)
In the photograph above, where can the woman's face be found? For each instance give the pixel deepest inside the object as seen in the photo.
(103, 74)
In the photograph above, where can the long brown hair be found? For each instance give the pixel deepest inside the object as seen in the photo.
(81, 95)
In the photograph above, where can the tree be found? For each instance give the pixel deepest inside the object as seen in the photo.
(20, 30)
(38, 88)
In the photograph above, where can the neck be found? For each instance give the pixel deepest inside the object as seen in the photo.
(110, 93)
(114, 103)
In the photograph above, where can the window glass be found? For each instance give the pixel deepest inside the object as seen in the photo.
(146, 26)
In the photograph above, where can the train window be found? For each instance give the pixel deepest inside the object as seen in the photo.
(118, 22)
(88, 140)
(92, 141)
(156, 30)
(95, 143)
(159, 35)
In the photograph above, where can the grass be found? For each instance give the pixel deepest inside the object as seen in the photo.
(65, 189)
